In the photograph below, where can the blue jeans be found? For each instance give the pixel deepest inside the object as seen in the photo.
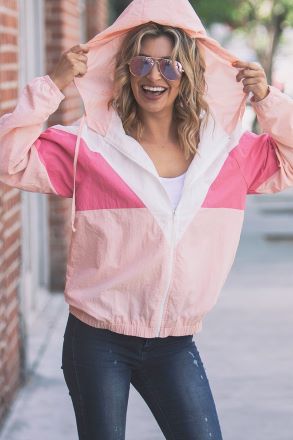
(99, 365)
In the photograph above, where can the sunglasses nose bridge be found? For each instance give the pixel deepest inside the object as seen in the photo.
(153, 70)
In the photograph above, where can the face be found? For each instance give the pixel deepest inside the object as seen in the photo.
(156, 47)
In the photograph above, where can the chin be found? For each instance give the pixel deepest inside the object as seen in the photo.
(154, 107)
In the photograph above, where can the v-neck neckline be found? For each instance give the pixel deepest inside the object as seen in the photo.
(212, 139)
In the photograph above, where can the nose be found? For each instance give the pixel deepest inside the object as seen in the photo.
(155, 73)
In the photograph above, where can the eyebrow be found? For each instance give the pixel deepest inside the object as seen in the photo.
(149, 56)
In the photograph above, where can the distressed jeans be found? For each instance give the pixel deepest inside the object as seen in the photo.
(99, 365)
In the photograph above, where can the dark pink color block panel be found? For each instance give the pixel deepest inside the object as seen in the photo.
(256, 156)
(251, 163)
(56, 151)
(228, 190)
(98, 186)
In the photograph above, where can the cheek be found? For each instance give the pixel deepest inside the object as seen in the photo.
(134, 87)
(175, 91)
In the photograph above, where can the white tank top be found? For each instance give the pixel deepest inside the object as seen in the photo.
(173, 186)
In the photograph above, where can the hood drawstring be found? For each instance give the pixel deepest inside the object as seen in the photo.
(76, 151)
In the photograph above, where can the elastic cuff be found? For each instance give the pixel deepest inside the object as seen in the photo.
(53, 86)
(268, 100)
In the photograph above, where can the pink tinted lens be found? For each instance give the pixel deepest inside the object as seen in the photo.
(140, 66)
(170, 69)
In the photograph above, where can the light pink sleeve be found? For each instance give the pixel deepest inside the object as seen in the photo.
(266, 160)
(22, 163)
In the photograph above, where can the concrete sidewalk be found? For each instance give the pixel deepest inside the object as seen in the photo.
(246, 346)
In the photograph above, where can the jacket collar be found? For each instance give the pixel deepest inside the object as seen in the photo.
(213, 142)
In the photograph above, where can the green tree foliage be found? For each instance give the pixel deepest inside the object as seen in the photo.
(117, 7)
(262, 21)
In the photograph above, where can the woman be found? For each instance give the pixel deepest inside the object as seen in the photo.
(160, 174)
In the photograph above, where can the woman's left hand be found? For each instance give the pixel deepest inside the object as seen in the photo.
(255, 79)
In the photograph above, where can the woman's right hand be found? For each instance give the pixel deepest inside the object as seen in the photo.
(72, 63)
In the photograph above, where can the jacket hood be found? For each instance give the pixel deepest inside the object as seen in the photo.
(224, 94)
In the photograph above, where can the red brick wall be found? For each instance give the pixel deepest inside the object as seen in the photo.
(62, 26)
(63, 30)
(97, 16)
(10, 226)
(62, 21)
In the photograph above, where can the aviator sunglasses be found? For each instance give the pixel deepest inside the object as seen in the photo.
(142, 65)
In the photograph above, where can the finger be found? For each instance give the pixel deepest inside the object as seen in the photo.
(248, 89)
(84, 48)
(251, 88)
(79, 48)
(250, 74)
(74, 58)
(246, 65)
(74, 49)
(250, 81)
(79, 57)
(80, 69)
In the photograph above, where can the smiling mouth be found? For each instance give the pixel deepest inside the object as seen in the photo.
(153, 91)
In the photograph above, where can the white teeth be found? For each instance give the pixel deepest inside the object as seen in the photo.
(154, 89)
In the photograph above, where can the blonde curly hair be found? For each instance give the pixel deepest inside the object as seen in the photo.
(190, 107)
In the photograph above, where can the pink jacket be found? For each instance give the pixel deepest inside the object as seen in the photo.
(136, 266)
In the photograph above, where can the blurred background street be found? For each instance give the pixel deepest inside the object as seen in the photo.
(246, 341)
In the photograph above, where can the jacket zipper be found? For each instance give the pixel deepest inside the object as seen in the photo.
(170, 267)
(172, 239)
